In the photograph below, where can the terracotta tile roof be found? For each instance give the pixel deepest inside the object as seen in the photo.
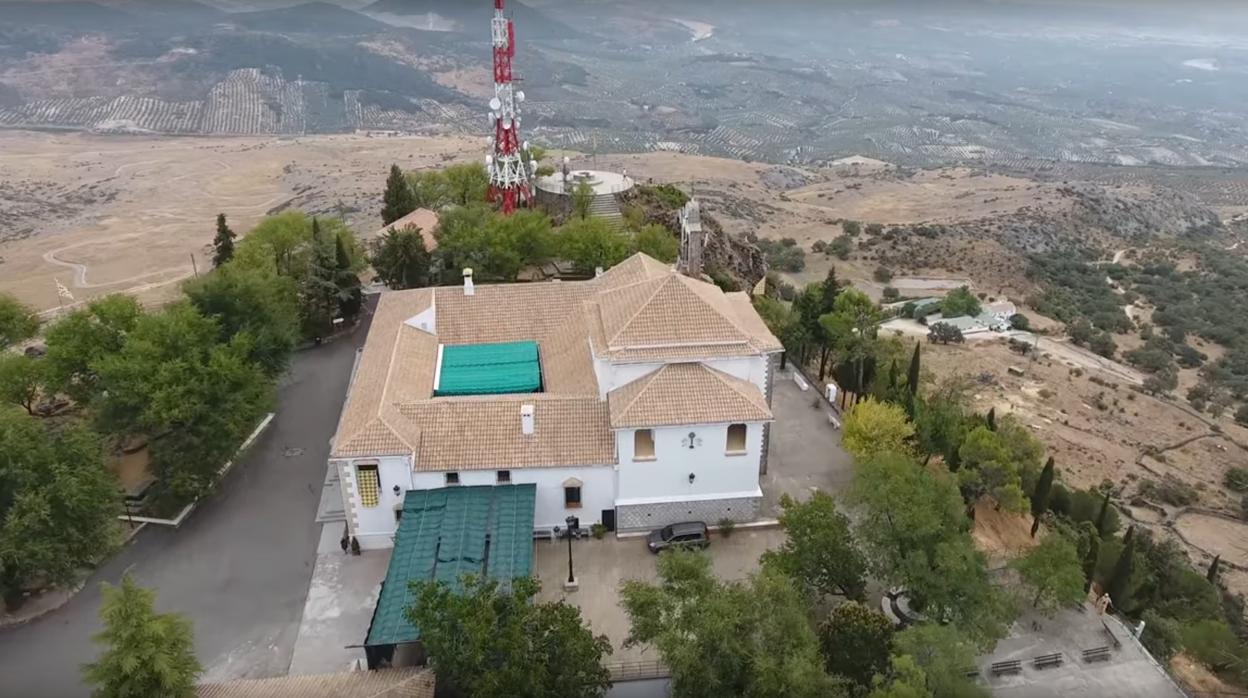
(640, 310)
(483, 433)
(383, 683)
(686, 393)
(422, 218)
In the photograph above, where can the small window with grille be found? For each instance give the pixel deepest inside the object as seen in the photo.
(369, 485)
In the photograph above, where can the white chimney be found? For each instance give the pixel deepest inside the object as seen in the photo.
(526, 419)
(469, 290)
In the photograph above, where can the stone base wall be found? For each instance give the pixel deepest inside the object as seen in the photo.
(646, 517)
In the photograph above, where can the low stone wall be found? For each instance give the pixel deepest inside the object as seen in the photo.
(645, 517)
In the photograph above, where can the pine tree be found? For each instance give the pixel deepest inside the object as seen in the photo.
(320, 293)
(398, 198)
(223, 243)
(145, 653)
(350, 295)
(912, 383)
(1212, 574)
(1040, 496)
(830, 289)
(1101, 517)
(1119, 586)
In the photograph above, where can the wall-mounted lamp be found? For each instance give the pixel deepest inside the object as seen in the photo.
(691, 478)
(396, 490)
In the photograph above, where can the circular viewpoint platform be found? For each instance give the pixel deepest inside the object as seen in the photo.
(602, 182)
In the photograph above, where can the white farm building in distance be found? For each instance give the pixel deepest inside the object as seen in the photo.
(635, 399)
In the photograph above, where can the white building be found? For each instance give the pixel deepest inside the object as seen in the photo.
(635, 399)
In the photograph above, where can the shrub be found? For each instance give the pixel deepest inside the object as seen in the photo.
(1212, 643)
(598, 531)
(891, 294)
(819, 247)
(1019, 321)
(726, 527)
(852, 228)
(1236, 479)
(1163, 637)
(882, 274)
(1170, 491)
(840, 247)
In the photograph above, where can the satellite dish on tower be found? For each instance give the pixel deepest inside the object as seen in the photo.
(489, 159)
(495, 104)
(506, 125)
(519, 95)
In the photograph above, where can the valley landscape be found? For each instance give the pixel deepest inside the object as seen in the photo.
(932, 147)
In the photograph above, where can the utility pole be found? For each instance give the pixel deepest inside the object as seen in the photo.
(194, 266)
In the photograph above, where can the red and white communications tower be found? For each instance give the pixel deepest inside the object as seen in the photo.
(509, 177)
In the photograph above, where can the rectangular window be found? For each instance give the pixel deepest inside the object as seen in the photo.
(452, 478)
(504, 477)
(736, 439)
(369, 484)
(643, 444)
(572, 497)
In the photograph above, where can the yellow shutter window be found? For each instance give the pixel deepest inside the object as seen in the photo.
(369, 485)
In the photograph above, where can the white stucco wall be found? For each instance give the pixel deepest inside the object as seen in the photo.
(666, 478)
(374, 527)
(612, 376)
(597, 490)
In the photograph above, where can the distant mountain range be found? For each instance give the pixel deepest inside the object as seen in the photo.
(473, 16)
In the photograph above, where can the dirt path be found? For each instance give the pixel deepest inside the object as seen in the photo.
(1079, 356)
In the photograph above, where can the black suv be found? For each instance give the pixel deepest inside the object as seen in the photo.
(691, 534)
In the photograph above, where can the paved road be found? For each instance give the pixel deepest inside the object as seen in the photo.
(240, 565)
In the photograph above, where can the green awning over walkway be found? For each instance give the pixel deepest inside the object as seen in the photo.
(489, 369)
(449, 532)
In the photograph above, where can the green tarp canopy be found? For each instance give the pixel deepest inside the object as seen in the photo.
(449, 532)
(489, 369)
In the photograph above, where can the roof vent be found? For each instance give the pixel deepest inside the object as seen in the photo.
(469, 290)
(526, 419)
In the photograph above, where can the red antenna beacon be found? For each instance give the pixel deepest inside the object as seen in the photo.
(509, 177)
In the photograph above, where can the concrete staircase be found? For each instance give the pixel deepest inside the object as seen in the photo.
(604, 206)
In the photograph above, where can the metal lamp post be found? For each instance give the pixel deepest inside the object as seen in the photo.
(574, 525)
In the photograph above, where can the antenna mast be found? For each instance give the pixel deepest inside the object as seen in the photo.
(509, 178)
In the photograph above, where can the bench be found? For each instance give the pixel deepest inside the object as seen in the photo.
(1013, 666)
(1045, 661)
(1096, 654)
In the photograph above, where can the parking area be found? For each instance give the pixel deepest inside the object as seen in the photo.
(805, 451)
(602, 565)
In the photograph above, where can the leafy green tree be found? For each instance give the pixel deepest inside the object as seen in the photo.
(989, 469)
(1053, 571)
(741, 638)
(398, 197)
(466, 183)
(223, 243)
(1040, 496)
(592, 242)
(856, 642)
(658, 242)
(904, 679)
(582, 199)
(494, 247)
(17, 322)
(941, 421)
(429, 190)
(85, 337)
(350, 291)
(944, 333)
(21, 380)
(195, 398)
(319, 290)
(952, 584)
(487, 641)
(943, 653)
(1120, 585)
(146, 654)
(841, 247)
(257, 302)
(1213, 644)
(960, 302)
(58, 503)
(873, 427)
(852, 228)
(401, 259)
(819, 550)
(906, 509)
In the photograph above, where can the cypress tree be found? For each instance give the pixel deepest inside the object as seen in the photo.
(1040, 497)
(399, 200)
(1119, 587)
(1100, 518)
(1212, 574)
(992, 419)
(223, 243)
(912, 384)
(1090, 559)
